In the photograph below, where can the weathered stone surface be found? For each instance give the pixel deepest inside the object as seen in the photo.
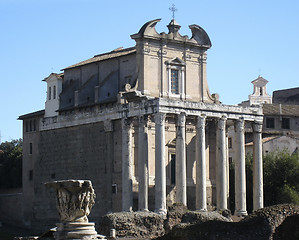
(174, 216)
(75, 199)
(201, 217)
(264, 224)
(132, 224)
(273, 215)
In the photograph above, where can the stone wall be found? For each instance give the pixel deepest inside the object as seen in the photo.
(11, 210)
(71, 153)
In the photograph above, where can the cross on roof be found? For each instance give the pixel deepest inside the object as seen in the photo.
(173, 9)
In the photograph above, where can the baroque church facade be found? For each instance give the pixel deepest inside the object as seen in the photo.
(141, 124)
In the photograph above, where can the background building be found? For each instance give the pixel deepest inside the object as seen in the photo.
(281, 118)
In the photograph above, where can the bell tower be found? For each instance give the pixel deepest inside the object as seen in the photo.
(54, 88)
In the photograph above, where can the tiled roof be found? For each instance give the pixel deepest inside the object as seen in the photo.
(281, 109)
(113, 54)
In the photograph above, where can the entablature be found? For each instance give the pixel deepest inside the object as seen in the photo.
(150, 107)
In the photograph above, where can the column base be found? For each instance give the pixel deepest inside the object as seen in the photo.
(161, 211)
(144, 210)
(75, 230)
(202, 210)
(240, 213)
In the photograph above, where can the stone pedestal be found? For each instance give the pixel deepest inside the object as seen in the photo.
(75, 230)
(75, 199)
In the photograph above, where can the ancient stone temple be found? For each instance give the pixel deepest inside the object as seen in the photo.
(141, 124)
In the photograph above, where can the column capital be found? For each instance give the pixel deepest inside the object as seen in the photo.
(160, 118)
(201, 121)
(108, 126)
(181, 119)
(222, 123)
(143, 119)
(257, 127)
(126, 122)
(239, 124)
(203, 57)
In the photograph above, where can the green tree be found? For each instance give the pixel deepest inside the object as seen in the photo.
(11, 164)
(281, 179)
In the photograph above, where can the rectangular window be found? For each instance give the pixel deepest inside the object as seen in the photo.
(49, 93)
(54, 92)
(270, 122)
(172, 164)
(30, 148)
(285, 123)
(114, 188)
(174, 81)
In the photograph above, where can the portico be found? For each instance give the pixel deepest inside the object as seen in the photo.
(199, 114)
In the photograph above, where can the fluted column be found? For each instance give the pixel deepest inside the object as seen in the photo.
(160, 168)
(240, 171)
(127, 165)
(200, 151)
(143, 164)
(258, 198)
(180, 152)
(221, 179)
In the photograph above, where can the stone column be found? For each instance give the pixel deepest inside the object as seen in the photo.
(160, 168)
(240, 171)
(143, 164)
(221, 179)
(200, 151)
(127, 165)
(258, 199)
(180, 152)
(108, 127)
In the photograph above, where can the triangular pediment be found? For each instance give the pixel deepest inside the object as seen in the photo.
(260, 82)
(176, 61)
(53, 77)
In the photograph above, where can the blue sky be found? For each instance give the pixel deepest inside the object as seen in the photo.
(249, 38)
